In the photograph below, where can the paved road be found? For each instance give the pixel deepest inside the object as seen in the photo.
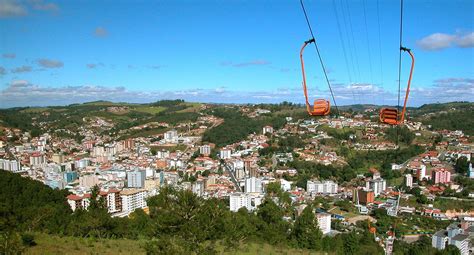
(232, 177)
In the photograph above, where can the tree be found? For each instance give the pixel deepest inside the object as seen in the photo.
(462, 165)
(272, 227)
(306, 233)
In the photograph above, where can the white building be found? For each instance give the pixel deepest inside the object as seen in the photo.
(322, 187)
(88, 181)
(285, 185)
(377, 185)
(324, 222)
(250, 201)
(253, 185)
(171, 136)
(462, 242)
(225, 153)
(409, 180)
(133, 199)
(136, 179)
(205, 150)
(37, 159)
(267, 129)
(10, 165)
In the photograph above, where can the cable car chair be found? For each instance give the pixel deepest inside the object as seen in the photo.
(321, 107)
(392, 116)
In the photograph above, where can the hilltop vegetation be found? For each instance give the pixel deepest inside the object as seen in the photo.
(38, 120)
(179, 222)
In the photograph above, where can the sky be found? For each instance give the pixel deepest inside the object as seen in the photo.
(236, 51)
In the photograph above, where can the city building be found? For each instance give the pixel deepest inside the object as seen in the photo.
(409, 180)
(421, 173)
(58, 158)
(225, 153)
(171, 136)
(10, 165)
(453, 235)
(136, 179)
(268, 129)
(205, 150)
(470, 173)
(238, 200)
(133, 199)
(70, 176)
(324, 222)
(377, 185)
(322, 187)
(365, 197)
(440, 175)
(89, 181)
(253, 185)
(37, 159)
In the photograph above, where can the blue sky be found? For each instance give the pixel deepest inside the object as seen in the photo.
(61, 52)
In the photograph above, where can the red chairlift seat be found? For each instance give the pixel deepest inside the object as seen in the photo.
(392, 116)
(321, 107)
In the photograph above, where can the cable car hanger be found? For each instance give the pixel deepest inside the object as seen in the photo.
(392, 116)
(321, 107)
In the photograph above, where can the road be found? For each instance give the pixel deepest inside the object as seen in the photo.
(232, 177)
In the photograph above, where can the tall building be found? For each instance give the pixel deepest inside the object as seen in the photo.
(89, 181)
(324, 222)
(409, 180)
(133, 199)
(440, 175)
(421, 173)
(37, 159)
(377, 185)
(238, 200)
(253, 185)
(10, 165)
(471, 171)
(70, 176)
(225, 153)
(171, 136)
(365, 196)
(58, 158)
(136, 179)
(267, 129)
(128, 144)
(453, 235)
(322, 187)
(205, 150)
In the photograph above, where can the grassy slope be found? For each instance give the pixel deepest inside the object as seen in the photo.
(49, 244)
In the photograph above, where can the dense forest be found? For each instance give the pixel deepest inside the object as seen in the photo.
(237, 127)
(179, 222)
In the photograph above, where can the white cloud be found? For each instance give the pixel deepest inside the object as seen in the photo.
(11, 8)
(24, 93)
(49, 63)
(439, 41)
(22, 69)
(466, 41)
(2, 71)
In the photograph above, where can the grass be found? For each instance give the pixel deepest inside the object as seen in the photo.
(35, 110)
(149, 109)
(258, 248)
(50, 244)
